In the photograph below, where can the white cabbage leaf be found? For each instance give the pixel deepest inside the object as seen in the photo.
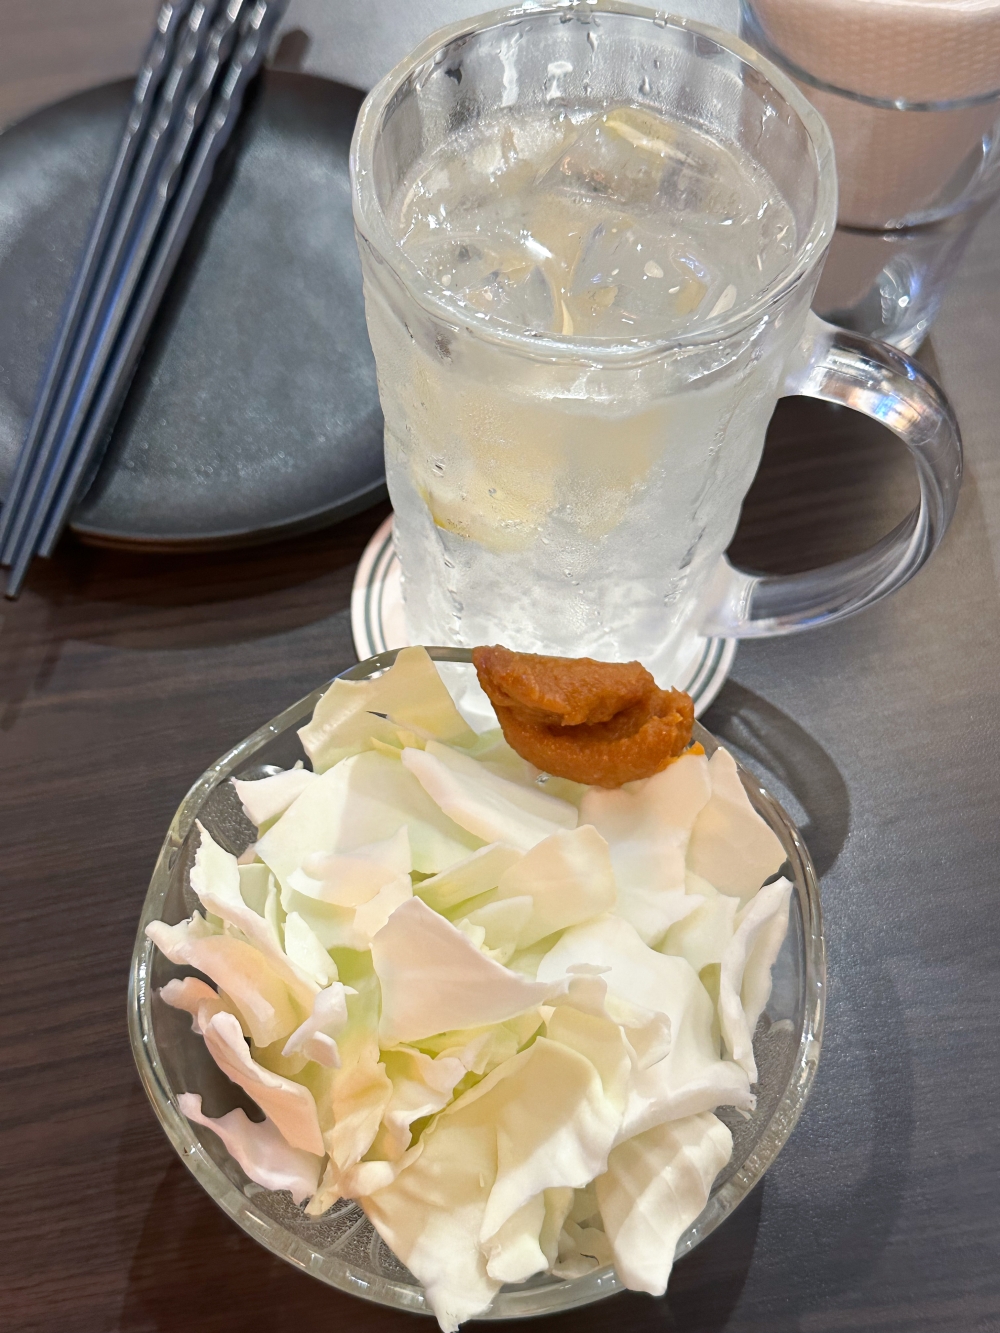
(592, 1033)
(611, 951)
(316, 1037)
(582, 1245)
(582, 1250)
(481, 1050)
(372, 1173)
(306, 952)
(259, 995)
(361, 1092)
(260, 1149)
(332, 926)
(555, 1126)
(264, 799)
(745, 974)
(422, 1085)
(367, 798)
(569, 879)
(255, 885)
(703, 936)
(217, 880)
(539, 1121)
(347, 927)
(353, 1103)
(647, 825)
(623, 1041)
(477, 934)
(514, 1253)
(526, 961)
(558, 1203)
(290, 1106)
(655, 1186)
(501, 922)
(731, 846)
(370, 917)
(411, 692)
(430, 1216)
(641, 1035)
(490, 807)
(475, 875)
(194, 997)
(691, 1076)
(494, 754)
(348, 879)
(434, 979)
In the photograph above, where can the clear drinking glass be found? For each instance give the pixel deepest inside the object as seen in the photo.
(916, 176)
(575, 495)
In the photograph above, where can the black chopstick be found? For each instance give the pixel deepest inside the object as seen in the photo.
(74, 385)
(135, 241)
(155, 65)
(80, 452)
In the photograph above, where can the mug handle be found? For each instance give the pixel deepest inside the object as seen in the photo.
(874, 378)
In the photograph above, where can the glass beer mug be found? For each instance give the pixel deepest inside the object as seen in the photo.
(590, 238)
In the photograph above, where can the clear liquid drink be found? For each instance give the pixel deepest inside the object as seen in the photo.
(589, 238)
(581, 509)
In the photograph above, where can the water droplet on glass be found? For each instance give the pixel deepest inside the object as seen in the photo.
(592, 41)
(555, 72)
(644, 86)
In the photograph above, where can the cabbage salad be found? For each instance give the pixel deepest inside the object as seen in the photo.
(496, 1008)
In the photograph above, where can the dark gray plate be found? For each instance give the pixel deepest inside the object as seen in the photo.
(254, 412)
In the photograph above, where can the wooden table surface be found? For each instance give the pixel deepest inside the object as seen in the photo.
(122, 677)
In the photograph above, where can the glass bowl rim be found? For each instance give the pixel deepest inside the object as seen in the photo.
(511, 1302)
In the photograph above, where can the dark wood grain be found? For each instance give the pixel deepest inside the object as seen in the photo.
(122, 677)
(51, 48)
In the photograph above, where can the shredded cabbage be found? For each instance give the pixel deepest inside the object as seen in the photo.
(498, 1012)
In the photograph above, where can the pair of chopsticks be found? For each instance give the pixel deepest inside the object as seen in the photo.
(187, 99)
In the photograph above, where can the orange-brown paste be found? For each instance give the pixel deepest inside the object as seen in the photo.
(602, 723)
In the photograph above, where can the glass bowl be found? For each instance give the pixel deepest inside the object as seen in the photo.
(341, 1248)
